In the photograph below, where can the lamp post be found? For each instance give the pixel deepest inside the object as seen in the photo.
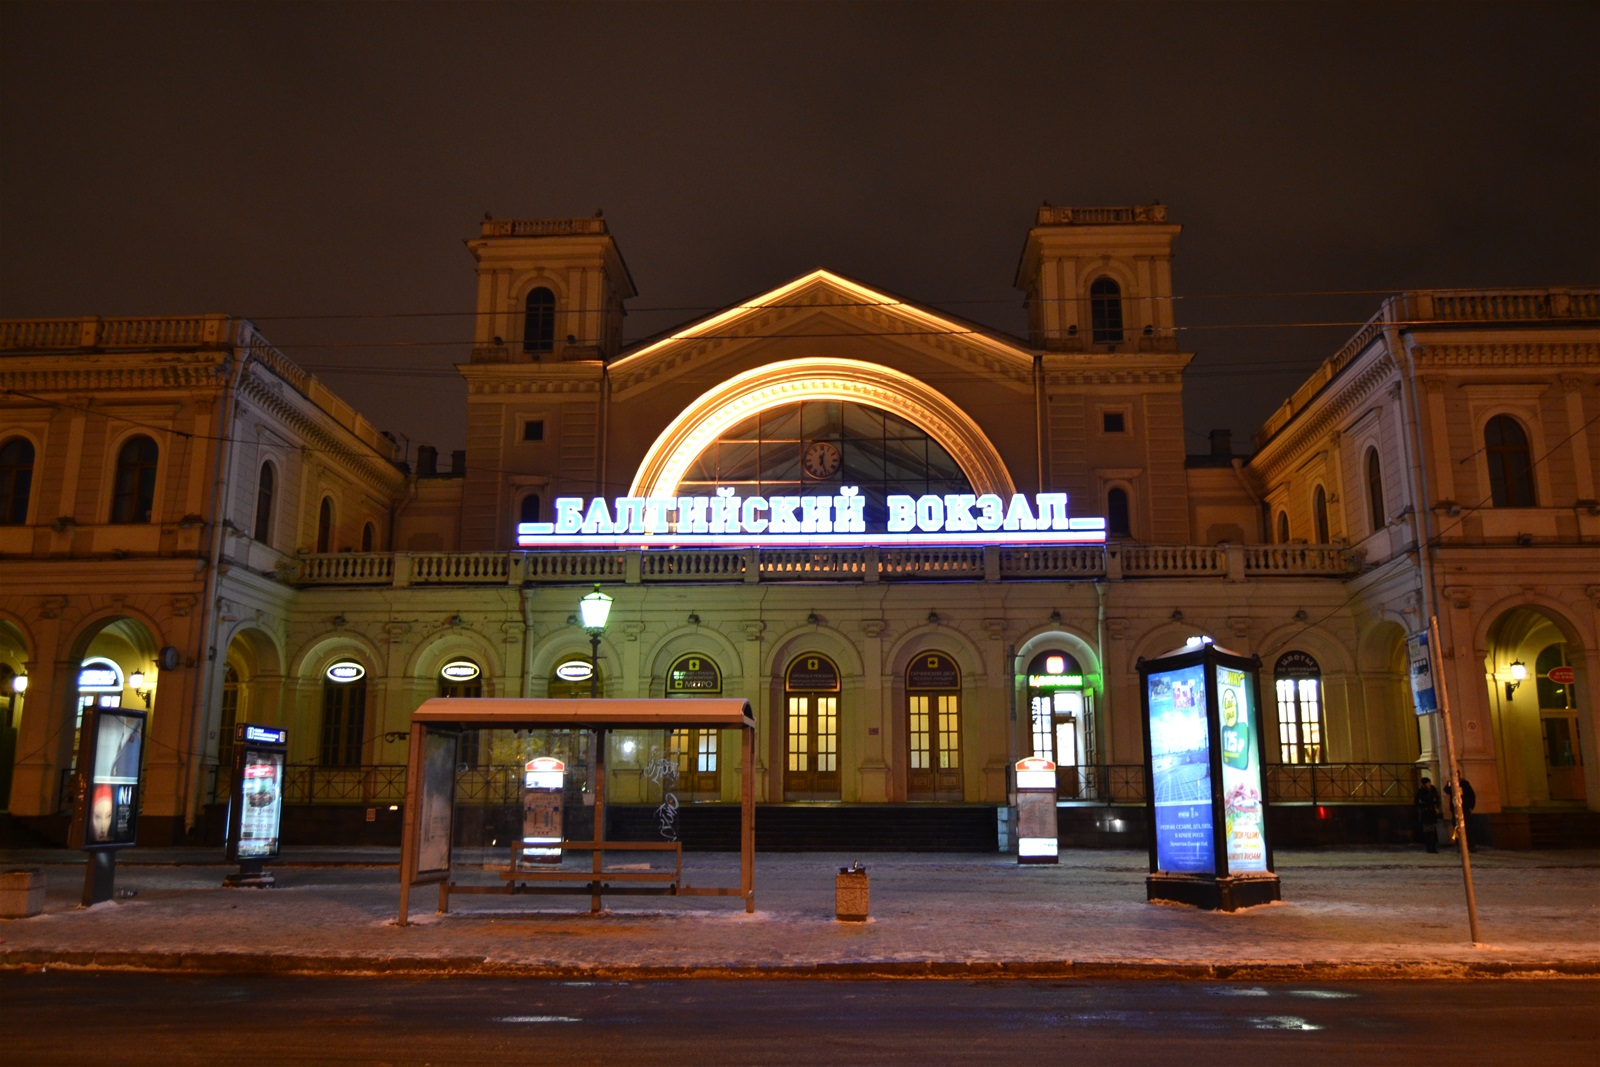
(594, 609)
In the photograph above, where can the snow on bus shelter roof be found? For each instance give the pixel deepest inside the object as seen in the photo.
(524, 712)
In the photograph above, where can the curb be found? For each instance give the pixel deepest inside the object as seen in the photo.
(240, 963)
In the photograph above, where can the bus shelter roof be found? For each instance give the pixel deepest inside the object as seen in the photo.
(510, 713)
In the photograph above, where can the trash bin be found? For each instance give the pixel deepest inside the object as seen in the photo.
(21, 892)
(850, 890)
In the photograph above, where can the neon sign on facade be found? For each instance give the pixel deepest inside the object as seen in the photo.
(729, 519)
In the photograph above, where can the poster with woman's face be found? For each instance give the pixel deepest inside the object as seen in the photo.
(113, 793)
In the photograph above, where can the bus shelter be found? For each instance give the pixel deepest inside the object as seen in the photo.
(429, 825)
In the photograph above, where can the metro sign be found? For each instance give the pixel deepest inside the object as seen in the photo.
(727, 520)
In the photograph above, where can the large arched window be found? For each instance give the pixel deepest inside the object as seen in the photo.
(1105, 311)
(1319, 514)
(264, 488)
(539, 321)
(325, 525)
(1505, 445)
(1377, 514)
(134, 491)
(1118, 521)
(1299, 684)
(16, 480)
(813, 447)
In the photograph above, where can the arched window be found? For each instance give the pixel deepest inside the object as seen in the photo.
(134, 491)
(368, 537)
(16, 480)
(344, 715)
(1299, 683)
(1283, 528)
(264, 487)
(1319, 514)
(1377, 514)
(325, 524)
(529, 510)
(539, 321)
(1118, 523)
(1505, 444)
(1105, 311)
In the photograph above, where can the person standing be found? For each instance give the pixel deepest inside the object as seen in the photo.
(1427, 802)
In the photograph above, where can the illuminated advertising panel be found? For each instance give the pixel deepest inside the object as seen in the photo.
(1180, 766)
(841, 520)
(108, 808)
(260, 804)
(1244, 814)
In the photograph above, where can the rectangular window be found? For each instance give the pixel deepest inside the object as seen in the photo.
(949, 731)
(919, 733)
(1113, 422)
(799, 735)
(827, 734)
(1299, 720)
(533, 430)
(1043, 732)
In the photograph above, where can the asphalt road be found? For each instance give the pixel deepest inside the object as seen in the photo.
(56, 1017)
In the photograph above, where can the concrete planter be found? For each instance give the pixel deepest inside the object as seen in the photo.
(21, 892)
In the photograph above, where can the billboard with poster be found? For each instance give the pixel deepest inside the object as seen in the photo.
(108, 814)
(1244, 813)
(1180, 769)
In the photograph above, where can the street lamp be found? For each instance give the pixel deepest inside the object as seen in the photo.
(137, 680)
(1519, 671)
(594, 609)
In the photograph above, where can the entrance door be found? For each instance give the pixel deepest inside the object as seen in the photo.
(933, 728)
(811, 733)
(1563, 756)
(1558, 723)
(695, 749)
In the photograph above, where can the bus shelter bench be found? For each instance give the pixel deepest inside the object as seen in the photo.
(659, 879)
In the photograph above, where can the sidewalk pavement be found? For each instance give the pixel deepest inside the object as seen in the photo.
(1369, 913)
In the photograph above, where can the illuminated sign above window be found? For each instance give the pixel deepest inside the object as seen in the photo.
(777, 521)
(574, 670)
(346, 671)
(266, 735)
(99, 676)
(459, 670)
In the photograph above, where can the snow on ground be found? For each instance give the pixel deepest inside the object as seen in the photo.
(1378, 907)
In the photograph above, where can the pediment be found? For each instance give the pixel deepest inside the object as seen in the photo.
(823, 314)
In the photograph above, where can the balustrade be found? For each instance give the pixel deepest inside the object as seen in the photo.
(853, 564)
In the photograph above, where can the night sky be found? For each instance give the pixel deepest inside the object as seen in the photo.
(316, 168)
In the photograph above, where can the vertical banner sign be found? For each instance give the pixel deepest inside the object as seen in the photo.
(1420, 654)
(1244, 813)
(1180, 750)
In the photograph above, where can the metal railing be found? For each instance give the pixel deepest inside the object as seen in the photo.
(1088, 783)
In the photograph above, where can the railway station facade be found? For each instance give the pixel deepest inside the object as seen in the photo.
(920, 548)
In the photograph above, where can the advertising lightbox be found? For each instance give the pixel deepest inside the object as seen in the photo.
(108, 809)
(1180, 765)
(256, 814)
(1209, 843)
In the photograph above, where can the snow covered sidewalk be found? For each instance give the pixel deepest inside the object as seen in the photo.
(1344, 914)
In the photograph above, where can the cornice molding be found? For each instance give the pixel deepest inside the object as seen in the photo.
(382, 477)
(1315, 426)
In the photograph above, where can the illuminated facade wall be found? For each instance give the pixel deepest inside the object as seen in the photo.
(1090, 405)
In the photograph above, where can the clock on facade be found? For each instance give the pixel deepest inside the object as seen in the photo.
(821, 459)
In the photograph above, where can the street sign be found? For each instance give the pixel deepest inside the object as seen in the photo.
(1419, 653)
